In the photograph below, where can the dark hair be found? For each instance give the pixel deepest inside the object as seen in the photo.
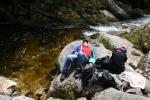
(85, 41)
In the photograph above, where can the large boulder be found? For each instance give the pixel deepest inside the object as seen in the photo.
(72, 87)
(70, 84)
(113, 94)
(116, 10)
(99, 49)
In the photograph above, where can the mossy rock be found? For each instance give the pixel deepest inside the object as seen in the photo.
(106, 43)
(141, 38)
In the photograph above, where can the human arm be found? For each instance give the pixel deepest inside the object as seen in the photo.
(93, 57)
(77, 50)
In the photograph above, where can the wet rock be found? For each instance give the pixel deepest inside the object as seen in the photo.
(113, 94)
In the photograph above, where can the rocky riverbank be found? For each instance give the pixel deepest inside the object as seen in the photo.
(71, 88)
(29, 46)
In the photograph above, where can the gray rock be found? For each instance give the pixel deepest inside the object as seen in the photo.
(100, 51)
(22, 98)
(136, 91)
(147, 86)
(116, 10)
(109, 14)
(145, 65)
(7, 86)
(113, 94)
(82, 98)
(5, 97)
(51, 98)
(116, 41)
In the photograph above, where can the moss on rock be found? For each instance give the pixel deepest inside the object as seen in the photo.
(66, 91)
(106, 43)
(141, 38)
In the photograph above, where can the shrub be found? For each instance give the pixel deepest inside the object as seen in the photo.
(141, 39)
(106, 43)
(66, 91)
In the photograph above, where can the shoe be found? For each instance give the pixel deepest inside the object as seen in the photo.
(78, 73)
(62, 78)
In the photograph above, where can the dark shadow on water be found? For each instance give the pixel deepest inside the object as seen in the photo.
(30, 55)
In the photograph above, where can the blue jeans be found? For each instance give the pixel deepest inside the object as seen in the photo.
(80, 59)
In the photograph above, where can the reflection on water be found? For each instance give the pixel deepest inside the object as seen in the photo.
(29, 58)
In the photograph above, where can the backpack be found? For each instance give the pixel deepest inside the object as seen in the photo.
(103, 63)
(107, 80)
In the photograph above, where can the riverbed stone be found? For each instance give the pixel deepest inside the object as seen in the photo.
(7, 86)
(5, 97)
(113, 94)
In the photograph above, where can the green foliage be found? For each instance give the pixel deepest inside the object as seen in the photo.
(106, 43)
(47, 12)
(68, 92)
(141, 39)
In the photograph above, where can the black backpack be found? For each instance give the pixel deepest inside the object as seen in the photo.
(102, 63)
(107, 80)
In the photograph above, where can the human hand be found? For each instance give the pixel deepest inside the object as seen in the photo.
(76, 53)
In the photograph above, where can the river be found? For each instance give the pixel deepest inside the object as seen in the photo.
(29, 57)
(120, 26)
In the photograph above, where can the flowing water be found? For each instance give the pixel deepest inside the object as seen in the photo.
(29, 57)
(119, 26)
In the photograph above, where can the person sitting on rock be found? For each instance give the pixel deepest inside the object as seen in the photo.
(115, 64)
(118, 59)
(83, 54)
